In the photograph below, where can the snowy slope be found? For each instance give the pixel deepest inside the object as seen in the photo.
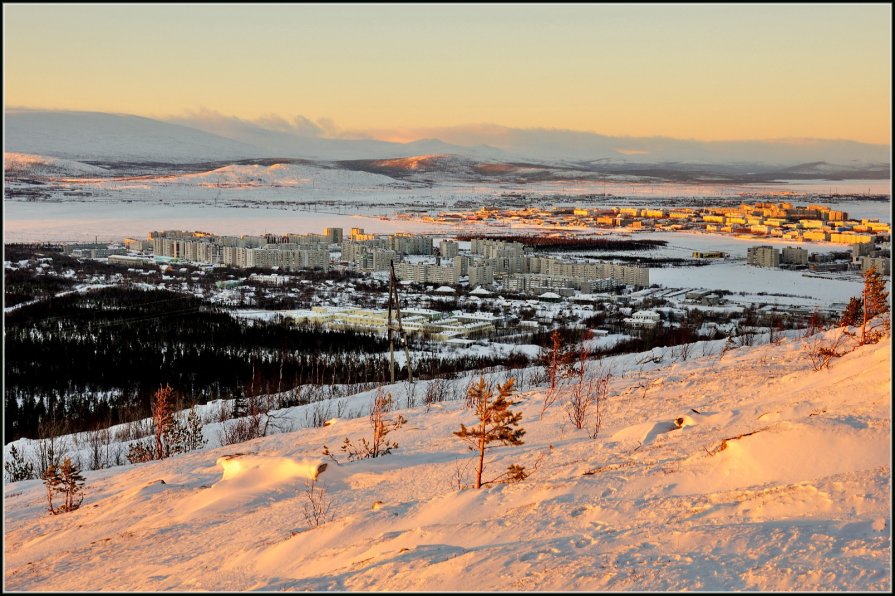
(280, 175)
(86, 136)
(798, 499)
(18, 165)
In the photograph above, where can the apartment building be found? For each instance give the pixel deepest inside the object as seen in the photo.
(763, 256)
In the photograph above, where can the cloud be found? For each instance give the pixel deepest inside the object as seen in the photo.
(215, 122)
(282, 134)
(466, 135)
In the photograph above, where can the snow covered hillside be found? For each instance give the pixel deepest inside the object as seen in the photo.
(18, 165)
(281, 175)
(115, 137)
(741, 469)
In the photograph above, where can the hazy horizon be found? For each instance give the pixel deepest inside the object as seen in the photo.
(410, 72)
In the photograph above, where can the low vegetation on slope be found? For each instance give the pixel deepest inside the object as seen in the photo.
(738, 469)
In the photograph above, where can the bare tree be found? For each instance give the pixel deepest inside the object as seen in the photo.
(99, 442)
(51, 447)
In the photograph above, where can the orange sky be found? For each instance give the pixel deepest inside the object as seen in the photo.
(686, 71)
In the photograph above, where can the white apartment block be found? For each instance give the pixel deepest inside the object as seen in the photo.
(763, 256)
(794, 255)
(448, 249)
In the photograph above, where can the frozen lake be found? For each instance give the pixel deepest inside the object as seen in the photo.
(81, 221)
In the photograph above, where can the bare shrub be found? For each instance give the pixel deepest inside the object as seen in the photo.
(410, 392)
(436, 392)
(317, 414)
(815, 324)
(821, 352)
(382, 425)
(729, 345)
(775, 330)
(318, 505)
(50, 449)
(746, 338)
(134, 430)
(585, 404)
(240, 431)
(255, 424)
(224, 412)
(99, 444)
(681, 351)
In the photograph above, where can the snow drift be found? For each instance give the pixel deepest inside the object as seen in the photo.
(736, 470)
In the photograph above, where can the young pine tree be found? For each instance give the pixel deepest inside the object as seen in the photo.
(185, 436)
(66, 480)
(163, 417)
(875, 303)
(853, 313)
(555, 359)
(17, 468)
(497, 424)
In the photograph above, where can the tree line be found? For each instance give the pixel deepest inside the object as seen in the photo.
(97, 358)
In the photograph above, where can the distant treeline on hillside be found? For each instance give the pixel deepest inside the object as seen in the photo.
(94, 359)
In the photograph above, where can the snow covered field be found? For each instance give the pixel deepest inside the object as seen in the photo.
(739, 277)
(777, 478)
(32, 222)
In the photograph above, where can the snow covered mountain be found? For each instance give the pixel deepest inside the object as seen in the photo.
(96, 136)
(523, 154)
(727, 470)
(281, 175)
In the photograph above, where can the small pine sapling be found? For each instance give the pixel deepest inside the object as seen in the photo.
(186, 436)
(66, 480)
(17, 468)
(876, 303)
(162, 417)
(496, 424)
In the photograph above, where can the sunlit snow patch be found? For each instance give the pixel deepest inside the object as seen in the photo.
(252, 480)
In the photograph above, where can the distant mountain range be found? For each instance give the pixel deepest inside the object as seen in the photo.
(482, 153)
